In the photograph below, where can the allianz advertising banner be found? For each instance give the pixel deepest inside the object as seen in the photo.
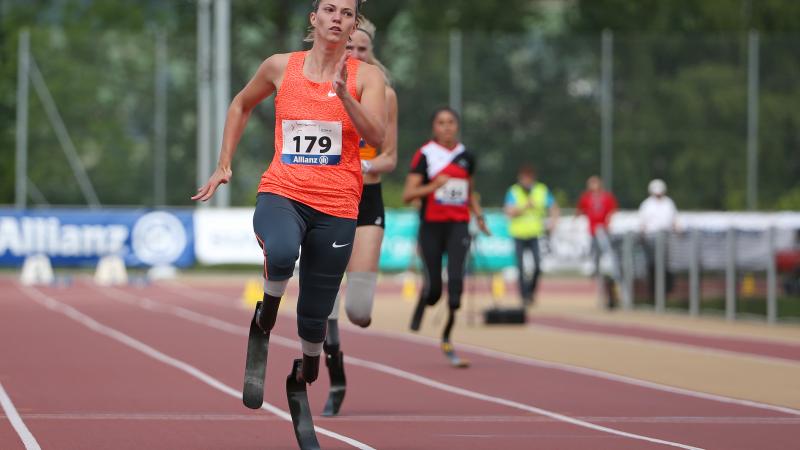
(488, 253)
(225, 236)
(79, 237)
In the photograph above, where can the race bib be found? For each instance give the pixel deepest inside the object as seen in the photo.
(312, 142)
(454, 193)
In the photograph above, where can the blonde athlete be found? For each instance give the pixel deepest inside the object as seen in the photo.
(308, 198)
(362, 271)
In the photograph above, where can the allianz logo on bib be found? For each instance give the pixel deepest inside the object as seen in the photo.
(311, 160)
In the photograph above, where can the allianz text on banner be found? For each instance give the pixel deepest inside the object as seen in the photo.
(73, 237)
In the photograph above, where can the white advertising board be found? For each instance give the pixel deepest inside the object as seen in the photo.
(225, 236)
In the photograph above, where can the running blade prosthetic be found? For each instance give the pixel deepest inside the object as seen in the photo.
(299, 409)
(255, 364)
(335, 365)
(450, 353)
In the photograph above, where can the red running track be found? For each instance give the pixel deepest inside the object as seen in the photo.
(132, 379)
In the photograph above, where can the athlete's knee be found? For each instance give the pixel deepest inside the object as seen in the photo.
(431, 291)
(455, 287)
(360, 297)
(432, 296)
(282, 259)
(454, 303)
(312, 329)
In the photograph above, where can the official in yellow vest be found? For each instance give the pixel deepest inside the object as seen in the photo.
(532, 211)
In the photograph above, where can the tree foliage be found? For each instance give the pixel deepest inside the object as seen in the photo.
(530, 91)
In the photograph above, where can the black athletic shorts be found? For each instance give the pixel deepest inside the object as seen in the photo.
(283, 227)
(370, 210)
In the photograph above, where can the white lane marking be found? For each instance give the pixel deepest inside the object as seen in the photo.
(424, 340)
(228, 327)
(534, 362)
(378, 418)
(16, 421)
(89, 322)
(509, 403)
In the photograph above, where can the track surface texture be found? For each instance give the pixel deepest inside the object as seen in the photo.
(160, 367)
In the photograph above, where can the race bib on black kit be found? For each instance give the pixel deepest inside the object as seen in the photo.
(312, 142)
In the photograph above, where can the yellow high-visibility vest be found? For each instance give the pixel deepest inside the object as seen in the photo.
(530, 223)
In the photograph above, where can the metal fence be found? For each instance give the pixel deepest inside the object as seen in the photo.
(731, 273)
(116, 113)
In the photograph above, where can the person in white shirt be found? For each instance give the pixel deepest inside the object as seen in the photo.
(657, 213)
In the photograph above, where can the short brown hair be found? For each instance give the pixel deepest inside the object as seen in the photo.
(527, 169)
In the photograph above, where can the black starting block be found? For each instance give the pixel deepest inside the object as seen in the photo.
(497, 315)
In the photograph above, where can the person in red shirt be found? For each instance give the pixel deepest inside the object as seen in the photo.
(597, 205)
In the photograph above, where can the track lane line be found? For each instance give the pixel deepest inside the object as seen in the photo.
(530, 361)
(87, 321)
(221, 325)
(372, 418)
(10, 411)
(427, 341)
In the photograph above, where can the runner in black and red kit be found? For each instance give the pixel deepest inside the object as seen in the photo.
(441, 176)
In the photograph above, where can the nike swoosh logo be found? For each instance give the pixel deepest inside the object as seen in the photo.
(331, 94)
(335, 245)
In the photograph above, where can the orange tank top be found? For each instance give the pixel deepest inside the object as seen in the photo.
(316, 159)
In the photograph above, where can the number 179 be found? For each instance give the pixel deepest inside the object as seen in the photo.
(324, 142)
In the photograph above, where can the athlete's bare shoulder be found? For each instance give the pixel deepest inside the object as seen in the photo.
(274, 66)
(273, 69)
(369, 74)
(391, 95)
(369, 70)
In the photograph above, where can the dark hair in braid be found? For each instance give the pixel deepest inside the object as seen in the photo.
(446, 109)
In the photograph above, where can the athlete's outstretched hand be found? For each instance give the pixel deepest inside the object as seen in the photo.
(340, 79)
(220, 176)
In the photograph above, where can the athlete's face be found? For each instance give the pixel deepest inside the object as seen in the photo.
(359, 46)
(594, 184)
(445, 128)
(334, 20)
(526, 179)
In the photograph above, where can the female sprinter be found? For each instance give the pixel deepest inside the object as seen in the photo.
(362, 272)
(324, 103)
(441, 176)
